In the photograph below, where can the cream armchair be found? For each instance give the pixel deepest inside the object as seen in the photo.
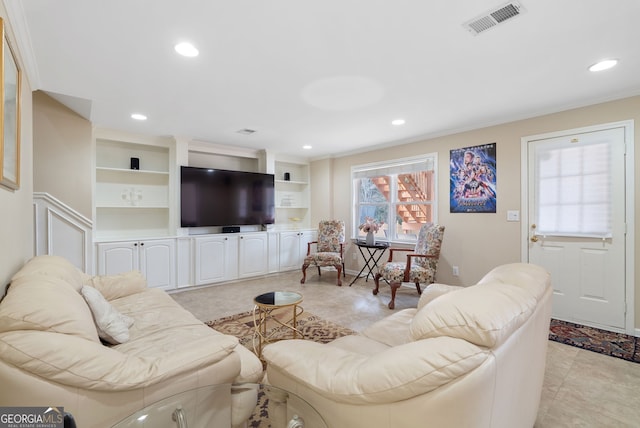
(465, 357)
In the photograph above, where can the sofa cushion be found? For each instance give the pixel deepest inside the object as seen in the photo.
(435, 290)
(484, 315)
(395, 374)
(112, 326)
(392, 330)
(524, 275)
(97, 367)
(120, 285)
(53, 266)
(46, 303)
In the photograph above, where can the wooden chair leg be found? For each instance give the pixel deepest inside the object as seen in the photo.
(376, 280)
(304, 274)
(394, 288)
(319, 274)
(418, 288)
(339, 268)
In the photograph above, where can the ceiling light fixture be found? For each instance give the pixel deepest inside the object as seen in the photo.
(398, 122)
(307, 147)
(186, 49)
(604, 65)
(138, 116)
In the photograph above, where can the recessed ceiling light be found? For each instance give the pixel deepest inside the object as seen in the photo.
(307, 147)
(603, 65)
(186, 49)
(398, 122)
(138, 116)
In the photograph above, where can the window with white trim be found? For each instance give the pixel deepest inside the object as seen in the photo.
(398, 195)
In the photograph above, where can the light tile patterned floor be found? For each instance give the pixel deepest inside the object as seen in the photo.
(581, 388)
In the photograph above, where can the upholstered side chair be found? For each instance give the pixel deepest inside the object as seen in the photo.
(420, 265)
(329, 249)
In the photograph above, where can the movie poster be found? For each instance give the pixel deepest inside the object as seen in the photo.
(473, 179)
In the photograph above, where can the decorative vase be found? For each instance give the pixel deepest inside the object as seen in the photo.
(370, 240)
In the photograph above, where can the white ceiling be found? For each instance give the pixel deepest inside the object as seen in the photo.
(332, 74)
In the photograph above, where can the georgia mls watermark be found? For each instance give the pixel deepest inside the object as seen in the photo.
(31, 417)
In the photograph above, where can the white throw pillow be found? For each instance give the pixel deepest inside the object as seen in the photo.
(112, 326)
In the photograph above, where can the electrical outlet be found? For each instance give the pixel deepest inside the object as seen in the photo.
(456, 271)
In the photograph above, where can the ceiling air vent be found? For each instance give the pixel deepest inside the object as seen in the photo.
(246, 131)
(494, 17)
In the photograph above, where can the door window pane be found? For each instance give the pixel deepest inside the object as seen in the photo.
(573, 189)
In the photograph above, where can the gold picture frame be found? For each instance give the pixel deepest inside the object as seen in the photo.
(9, 115)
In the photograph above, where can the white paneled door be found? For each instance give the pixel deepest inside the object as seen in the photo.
(576, 221)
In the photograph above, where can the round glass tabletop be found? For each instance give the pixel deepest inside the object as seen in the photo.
(228, 405)
(278, 298)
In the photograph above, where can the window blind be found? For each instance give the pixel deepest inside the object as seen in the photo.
(574, 189)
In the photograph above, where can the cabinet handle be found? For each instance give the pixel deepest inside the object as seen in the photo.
(135, 245)
(141, 244)
(226, 239)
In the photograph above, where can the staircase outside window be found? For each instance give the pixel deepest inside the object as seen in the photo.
(399, 195)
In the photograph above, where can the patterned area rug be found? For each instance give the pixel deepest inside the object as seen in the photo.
(312, 327)
(592, 339)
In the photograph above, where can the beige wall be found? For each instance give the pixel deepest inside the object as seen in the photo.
(63, 153)
(321, 200)
(476, 242)
(16, 212)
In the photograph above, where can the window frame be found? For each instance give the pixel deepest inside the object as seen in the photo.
(396, 165)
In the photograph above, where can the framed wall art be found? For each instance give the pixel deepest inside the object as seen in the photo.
(473, 179)
(9, 116)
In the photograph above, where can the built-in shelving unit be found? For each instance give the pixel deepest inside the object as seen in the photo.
(132, 203)
(292, 195)
(136, 214)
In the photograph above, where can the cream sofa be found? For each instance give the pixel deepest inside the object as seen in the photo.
(51, 355)
(465, 357)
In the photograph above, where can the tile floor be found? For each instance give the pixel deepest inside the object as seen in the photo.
(581, 388)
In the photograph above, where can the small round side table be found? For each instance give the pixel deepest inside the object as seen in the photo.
(265, 304)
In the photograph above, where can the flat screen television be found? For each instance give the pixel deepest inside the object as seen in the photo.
(218, 197)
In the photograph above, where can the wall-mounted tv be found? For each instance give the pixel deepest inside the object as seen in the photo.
(217, 197)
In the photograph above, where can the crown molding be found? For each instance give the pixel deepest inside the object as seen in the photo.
(22, 41)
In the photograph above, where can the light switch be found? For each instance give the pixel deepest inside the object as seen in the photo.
(513, 215)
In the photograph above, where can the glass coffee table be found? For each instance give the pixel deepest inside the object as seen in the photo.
(228, 406)
(263, 312)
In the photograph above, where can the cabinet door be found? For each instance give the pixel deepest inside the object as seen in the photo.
(290, 251)
(305, 238)
(274, 251)
(211, 259)
(157, 262)
(117, 257)
(253, 258)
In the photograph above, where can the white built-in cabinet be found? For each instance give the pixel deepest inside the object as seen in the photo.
(215, 258)
(253, 256)
(229, 256)
(155, 258)
(293, 248)
(136, 214)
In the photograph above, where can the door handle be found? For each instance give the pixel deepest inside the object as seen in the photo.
(534, 238)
